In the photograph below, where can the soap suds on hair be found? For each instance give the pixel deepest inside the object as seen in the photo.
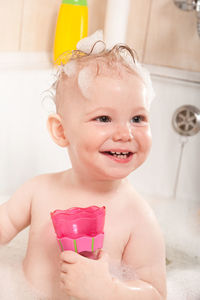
(93, 43)
(70, 68)
(91, 52)
(85, 78)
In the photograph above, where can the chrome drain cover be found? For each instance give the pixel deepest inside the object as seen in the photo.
(186, 120)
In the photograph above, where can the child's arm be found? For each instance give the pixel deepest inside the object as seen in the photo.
(15, 213)
(145, 252)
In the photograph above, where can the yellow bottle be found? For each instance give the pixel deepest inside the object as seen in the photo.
(72, 26)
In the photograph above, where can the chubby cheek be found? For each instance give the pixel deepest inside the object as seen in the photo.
(144, 139)
(84, 146)
(96, 139)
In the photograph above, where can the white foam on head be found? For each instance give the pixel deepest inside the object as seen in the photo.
(87, 43)
(96, 44)
(127, 58)
(85, 79)
(142, 72)
(70, 68)
(145, 76)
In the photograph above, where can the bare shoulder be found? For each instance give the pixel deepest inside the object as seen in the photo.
(47, 179)
(47, 188)
(140, 208)
(30, 189)
(144, 225)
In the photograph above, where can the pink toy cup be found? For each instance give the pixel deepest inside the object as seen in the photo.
(79, 229)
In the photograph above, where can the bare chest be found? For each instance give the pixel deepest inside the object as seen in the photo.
(116, 228)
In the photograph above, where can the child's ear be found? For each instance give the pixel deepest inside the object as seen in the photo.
(56, 130)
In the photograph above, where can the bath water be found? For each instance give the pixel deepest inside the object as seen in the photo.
(13, 284)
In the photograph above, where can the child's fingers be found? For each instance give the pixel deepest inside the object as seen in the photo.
(62, 277)
(69, 257)
(64, 267)
(63, 280)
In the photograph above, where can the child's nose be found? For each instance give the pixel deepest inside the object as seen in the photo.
(123, 133)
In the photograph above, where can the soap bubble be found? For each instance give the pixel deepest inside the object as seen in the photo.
(93, 43)
(85, 79)
(122, 272)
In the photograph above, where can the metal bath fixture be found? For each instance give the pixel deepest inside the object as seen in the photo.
(189, 5)
(186, 120)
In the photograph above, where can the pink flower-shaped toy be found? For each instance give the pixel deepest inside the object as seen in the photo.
(79, 229)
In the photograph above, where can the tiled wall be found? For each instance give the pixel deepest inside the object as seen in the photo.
(159, 32)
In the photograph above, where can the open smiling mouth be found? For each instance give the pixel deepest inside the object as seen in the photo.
(122, 157)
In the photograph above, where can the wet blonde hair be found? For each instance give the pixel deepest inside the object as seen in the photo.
(110, 62)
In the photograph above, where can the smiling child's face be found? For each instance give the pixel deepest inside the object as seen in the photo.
(109, 134)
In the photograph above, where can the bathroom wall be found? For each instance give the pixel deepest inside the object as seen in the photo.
(160, 33)
(26, 149)
(157, 176)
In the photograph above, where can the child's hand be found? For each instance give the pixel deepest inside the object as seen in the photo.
(85, 278)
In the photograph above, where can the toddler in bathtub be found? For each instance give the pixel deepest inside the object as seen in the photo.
(102, 117)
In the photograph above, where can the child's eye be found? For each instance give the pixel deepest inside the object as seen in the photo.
(103, 119)
(138, 119)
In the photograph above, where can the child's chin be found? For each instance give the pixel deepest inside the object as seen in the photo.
(118, 175)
